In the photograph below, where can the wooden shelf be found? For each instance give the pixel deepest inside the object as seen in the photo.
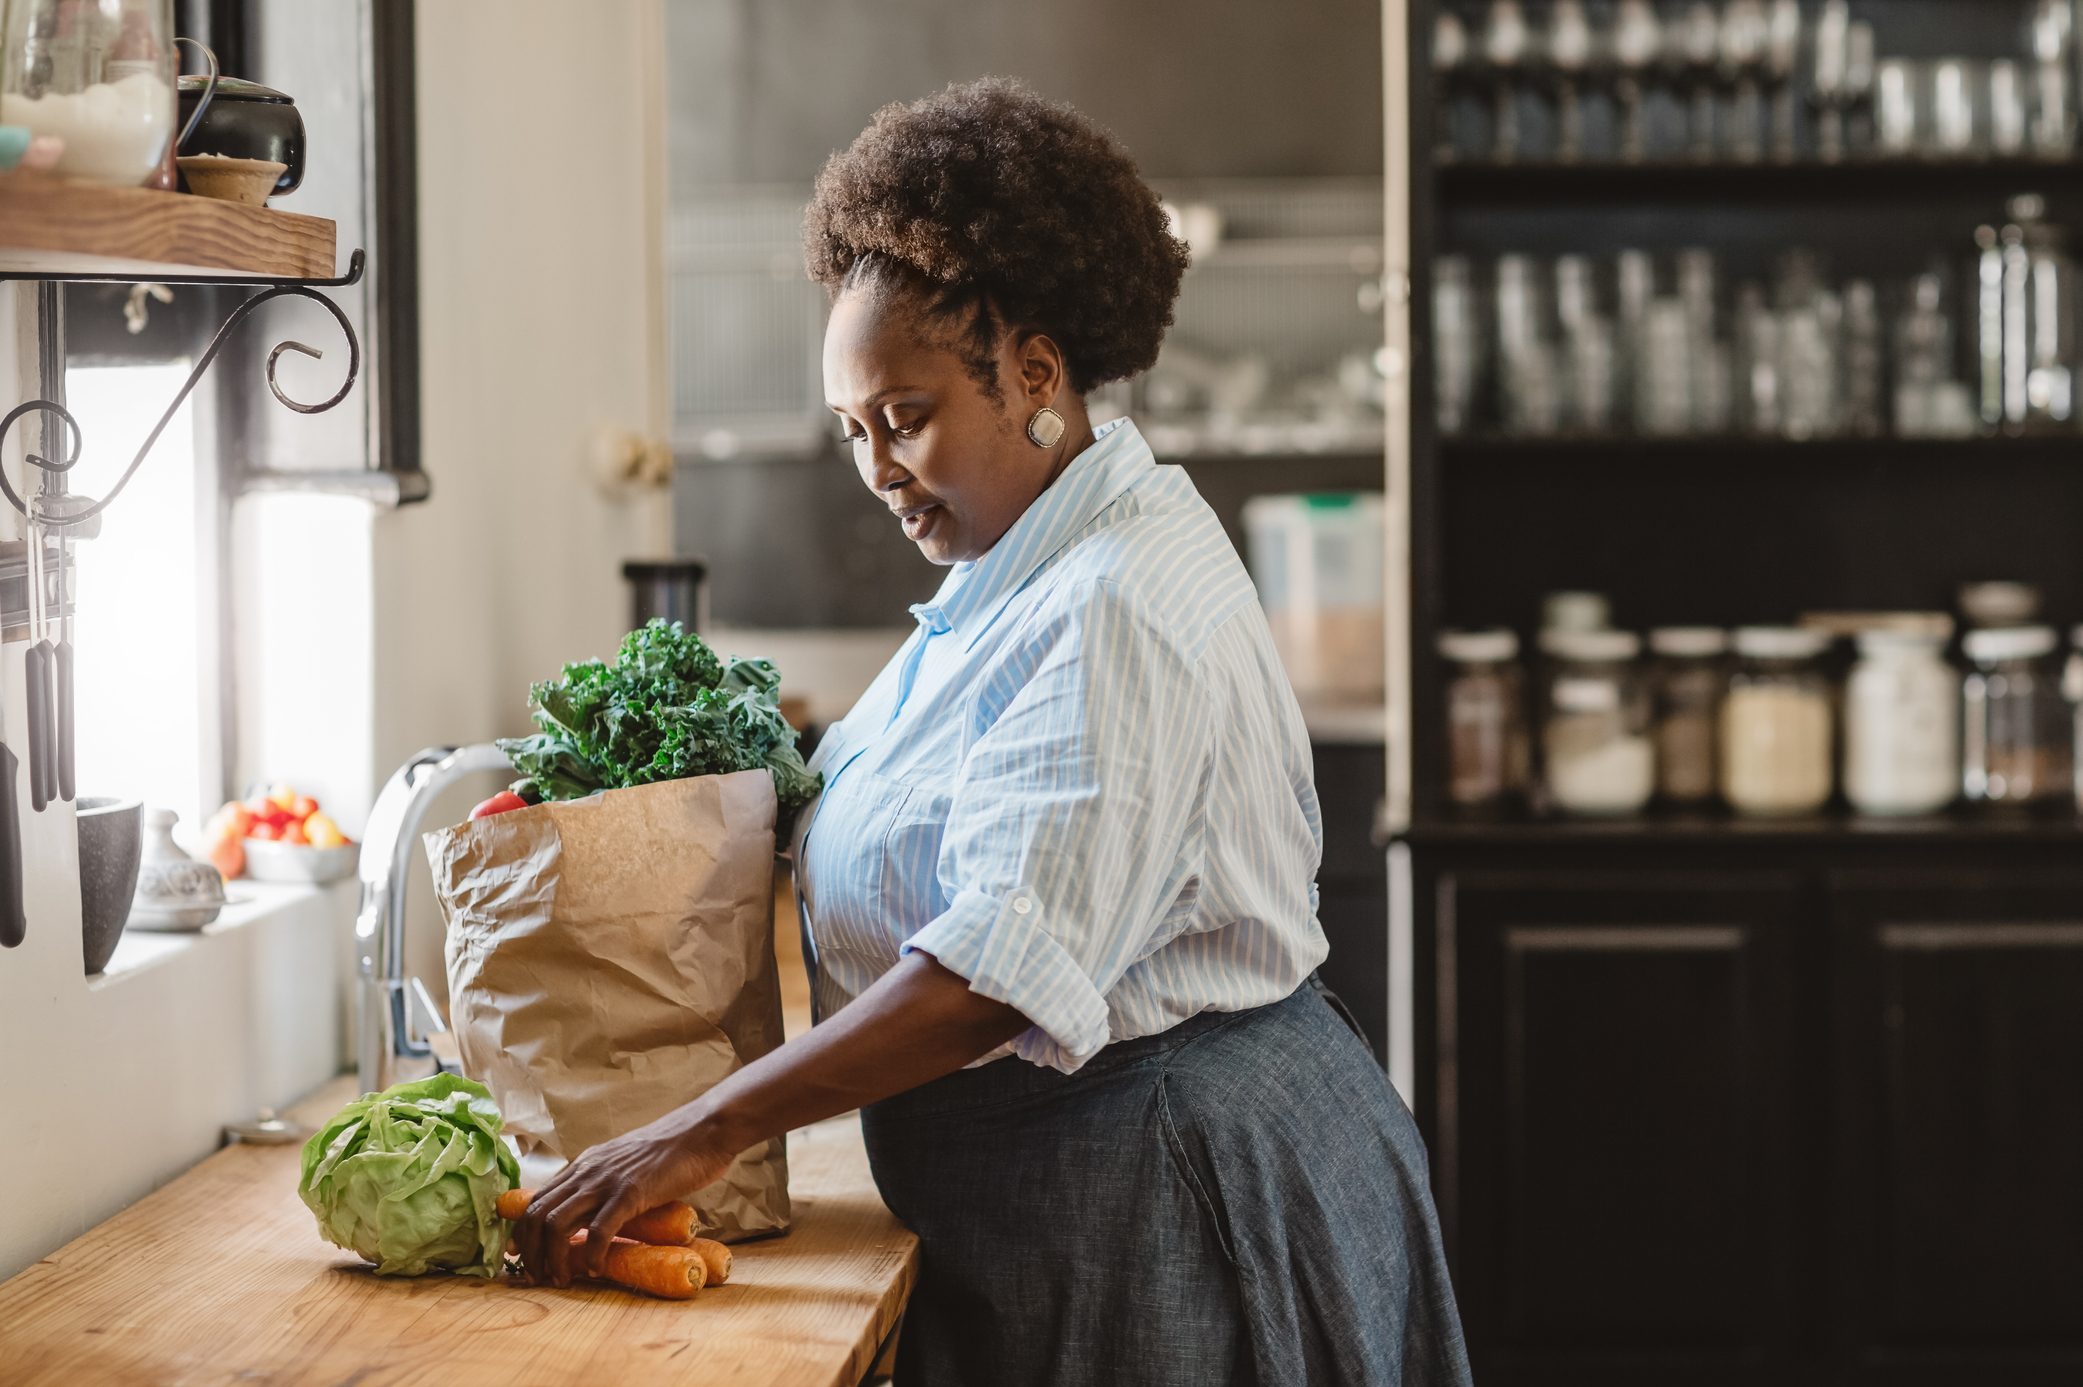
(57, 229)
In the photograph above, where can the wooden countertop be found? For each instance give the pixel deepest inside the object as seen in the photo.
(221, 1276)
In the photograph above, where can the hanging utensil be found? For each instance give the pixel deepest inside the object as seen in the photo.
(14, 921)
(37, 662)
(61, 672)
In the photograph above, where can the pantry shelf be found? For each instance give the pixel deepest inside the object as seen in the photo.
(2064, 448)
(1703, 830)
(56, 229)
(1988, 180)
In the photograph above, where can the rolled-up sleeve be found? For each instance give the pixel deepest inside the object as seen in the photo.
(1074, 819)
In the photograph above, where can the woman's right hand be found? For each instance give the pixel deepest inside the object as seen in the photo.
(610, 1184)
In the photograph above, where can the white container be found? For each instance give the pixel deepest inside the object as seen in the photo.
(1597, 757)
(1902, 725)
(1777, 724)
(1317, 562)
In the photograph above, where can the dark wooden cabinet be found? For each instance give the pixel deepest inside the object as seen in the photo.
(1624, 1125)
(1959, 1179)
(1729, 1107)
(1353, 884)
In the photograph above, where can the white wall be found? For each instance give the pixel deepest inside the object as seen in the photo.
(541, 323)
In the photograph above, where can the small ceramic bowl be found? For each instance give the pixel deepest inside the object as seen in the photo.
(266, 861)
(244, 181)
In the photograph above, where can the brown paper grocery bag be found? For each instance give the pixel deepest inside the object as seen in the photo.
(611, 958)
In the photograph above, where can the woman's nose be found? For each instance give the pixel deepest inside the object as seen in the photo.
(878, 469)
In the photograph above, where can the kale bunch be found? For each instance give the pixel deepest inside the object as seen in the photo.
(667, 708)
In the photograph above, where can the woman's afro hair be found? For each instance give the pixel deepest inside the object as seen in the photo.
(1009, 210)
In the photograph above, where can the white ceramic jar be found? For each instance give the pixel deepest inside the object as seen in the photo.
(1902, 724)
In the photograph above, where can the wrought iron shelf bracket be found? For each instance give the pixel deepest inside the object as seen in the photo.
(81, 512)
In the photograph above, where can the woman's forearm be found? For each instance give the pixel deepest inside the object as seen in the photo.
(918, 1022)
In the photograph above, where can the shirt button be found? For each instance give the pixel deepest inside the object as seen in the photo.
(1021, 905)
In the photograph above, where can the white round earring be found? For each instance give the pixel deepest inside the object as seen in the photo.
(1045, 429)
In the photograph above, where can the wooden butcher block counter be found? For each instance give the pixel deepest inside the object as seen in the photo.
(221, 1277)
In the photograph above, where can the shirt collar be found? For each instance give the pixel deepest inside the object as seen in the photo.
(973, 593)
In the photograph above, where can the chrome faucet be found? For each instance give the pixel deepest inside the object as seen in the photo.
(391, 1048)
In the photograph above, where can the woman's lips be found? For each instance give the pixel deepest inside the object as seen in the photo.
(919, 522)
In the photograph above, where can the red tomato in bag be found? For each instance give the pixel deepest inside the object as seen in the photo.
(503, 802)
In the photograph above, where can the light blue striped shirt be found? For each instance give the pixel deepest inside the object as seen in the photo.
(1082, 783)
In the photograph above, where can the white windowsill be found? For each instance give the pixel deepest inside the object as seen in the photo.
(141, 950)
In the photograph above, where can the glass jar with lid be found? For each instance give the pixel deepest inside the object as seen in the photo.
(99, 76)
(1688, 681)
(1486, 720)
(1902, 720)
(2015, 725)
(1597, 755)
(1777, 724)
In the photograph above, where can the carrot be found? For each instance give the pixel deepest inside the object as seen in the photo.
(668, 1225)
(674, 1273)
(716, 1257)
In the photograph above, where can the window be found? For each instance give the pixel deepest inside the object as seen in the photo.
(141, 698)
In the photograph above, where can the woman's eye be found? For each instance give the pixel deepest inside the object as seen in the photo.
(910, 430)
(852, 436)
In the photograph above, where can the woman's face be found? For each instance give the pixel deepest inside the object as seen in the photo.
(952, 464)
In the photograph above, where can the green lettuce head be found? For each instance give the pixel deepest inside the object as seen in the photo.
(410, 1178)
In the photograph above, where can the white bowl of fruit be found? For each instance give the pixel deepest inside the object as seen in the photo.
(280, 836)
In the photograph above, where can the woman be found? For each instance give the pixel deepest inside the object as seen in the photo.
(1060, 883)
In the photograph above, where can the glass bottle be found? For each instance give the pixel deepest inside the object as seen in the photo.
(1688, 683)
(2015, 732)
(1597, 755)
(99, 76)
(1486, 720)
(1902, 722)
(1777, 724)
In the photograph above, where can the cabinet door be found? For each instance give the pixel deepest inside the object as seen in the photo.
(1616, 1122)
(1960, 1108)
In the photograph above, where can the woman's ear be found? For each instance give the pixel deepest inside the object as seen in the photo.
(1043, 379)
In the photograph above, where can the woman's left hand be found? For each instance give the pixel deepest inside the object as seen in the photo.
(612, 1183)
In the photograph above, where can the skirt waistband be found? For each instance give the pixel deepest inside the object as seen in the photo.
(1012, 1078)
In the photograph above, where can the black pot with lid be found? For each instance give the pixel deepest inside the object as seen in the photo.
(244, 120)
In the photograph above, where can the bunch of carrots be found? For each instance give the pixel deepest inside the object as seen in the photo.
(656, 1253)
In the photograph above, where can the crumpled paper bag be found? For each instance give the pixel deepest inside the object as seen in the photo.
(611, 958)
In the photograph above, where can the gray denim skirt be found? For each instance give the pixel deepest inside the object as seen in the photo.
(1239, 1200)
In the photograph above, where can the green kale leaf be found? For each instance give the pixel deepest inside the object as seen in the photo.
(667, 708)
